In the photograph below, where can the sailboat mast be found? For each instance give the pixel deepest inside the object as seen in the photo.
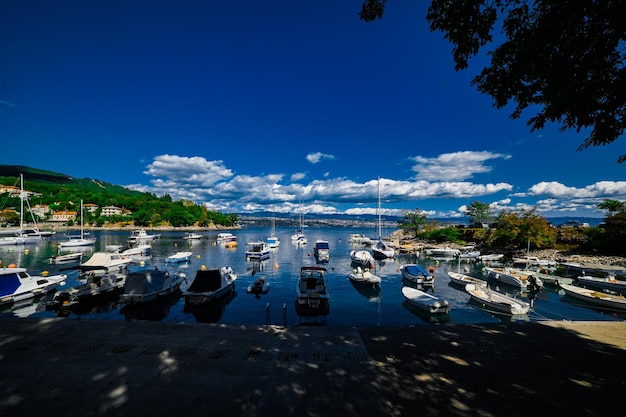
(380, 226)
(21, 202)
(81, 219)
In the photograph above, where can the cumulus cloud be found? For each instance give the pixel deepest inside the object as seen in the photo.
(456, 166)
(316, 157)
(215, 185)
(601, 189)
(188, 170)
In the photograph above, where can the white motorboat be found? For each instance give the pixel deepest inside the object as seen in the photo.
(67, 258)
(445, 252)
(362, 258)
(609, 283)
(597, 298)
(321, 250)
(359, 238)
(491, 257)
(364, 276)
(515, 278)
(258, 251)
(425, 302)
(312, 290)
(16, 284)
(150, 284)
(95, 288)
(417, 274)
(463, 280)
(141, 236)
(179, 257)
(102, 263)
(497, 302)
(193, 236)
(142, 249)
(210, 285)
(226, 237)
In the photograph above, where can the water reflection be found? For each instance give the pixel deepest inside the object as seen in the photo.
(155, 310)
(210, 312)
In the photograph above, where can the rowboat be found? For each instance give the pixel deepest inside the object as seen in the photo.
(425, 302)
(463, 280)
(606, 284)
(496, 301)
(600, 299)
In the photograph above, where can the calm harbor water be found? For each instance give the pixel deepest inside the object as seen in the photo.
(350, 305)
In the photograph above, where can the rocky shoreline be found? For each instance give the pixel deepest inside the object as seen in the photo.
(402, 241)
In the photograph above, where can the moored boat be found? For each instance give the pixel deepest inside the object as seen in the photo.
(146, 285)
(16, 284)
(96, 287)
(495, 301)
(321, 250)
(609, 283)
(258, 251)
(193, 236)
(463, 280)
(417, 274)
(226, 237)
(312, 289)
(364, 276)
(66, 258)
(259, 286)
(597, 298)
(102, 263)
(425, 302)
(516, 278)
(179, 257)
(210, 285)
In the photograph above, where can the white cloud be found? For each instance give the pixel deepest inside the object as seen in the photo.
(213, 184)
(601, 189)
(188, 170)
(454, 166)
(298, 176)
(316, 157)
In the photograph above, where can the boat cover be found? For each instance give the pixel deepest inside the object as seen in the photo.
(145, 282)
(206, 281)
(415, 270)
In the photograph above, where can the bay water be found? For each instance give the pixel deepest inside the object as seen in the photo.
(350, 304)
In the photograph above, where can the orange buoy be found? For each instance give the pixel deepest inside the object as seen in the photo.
(431, 269)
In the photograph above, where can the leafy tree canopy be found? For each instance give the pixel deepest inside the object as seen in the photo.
(612, 207)
(478, 212)
(413, 221)
(563, 58)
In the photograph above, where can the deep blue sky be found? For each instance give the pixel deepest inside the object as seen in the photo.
(249, 105)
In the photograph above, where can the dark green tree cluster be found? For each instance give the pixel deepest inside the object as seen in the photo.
(561, 58)
(146, 208)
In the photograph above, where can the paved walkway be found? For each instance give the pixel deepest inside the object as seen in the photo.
(60, 367)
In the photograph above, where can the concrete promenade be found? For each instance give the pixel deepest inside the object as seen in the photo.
(60, 367)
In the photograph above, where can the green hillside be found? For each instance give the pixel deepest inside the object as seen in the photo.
(62, 192)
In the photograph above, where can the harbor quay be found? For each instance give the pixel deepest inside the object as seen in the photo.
(61, 367)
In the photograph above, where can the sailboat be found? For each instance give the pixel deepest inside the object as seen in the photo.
(21, 238)
(382, 249)
(272, 240)
(299, 237)
(81, 240)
